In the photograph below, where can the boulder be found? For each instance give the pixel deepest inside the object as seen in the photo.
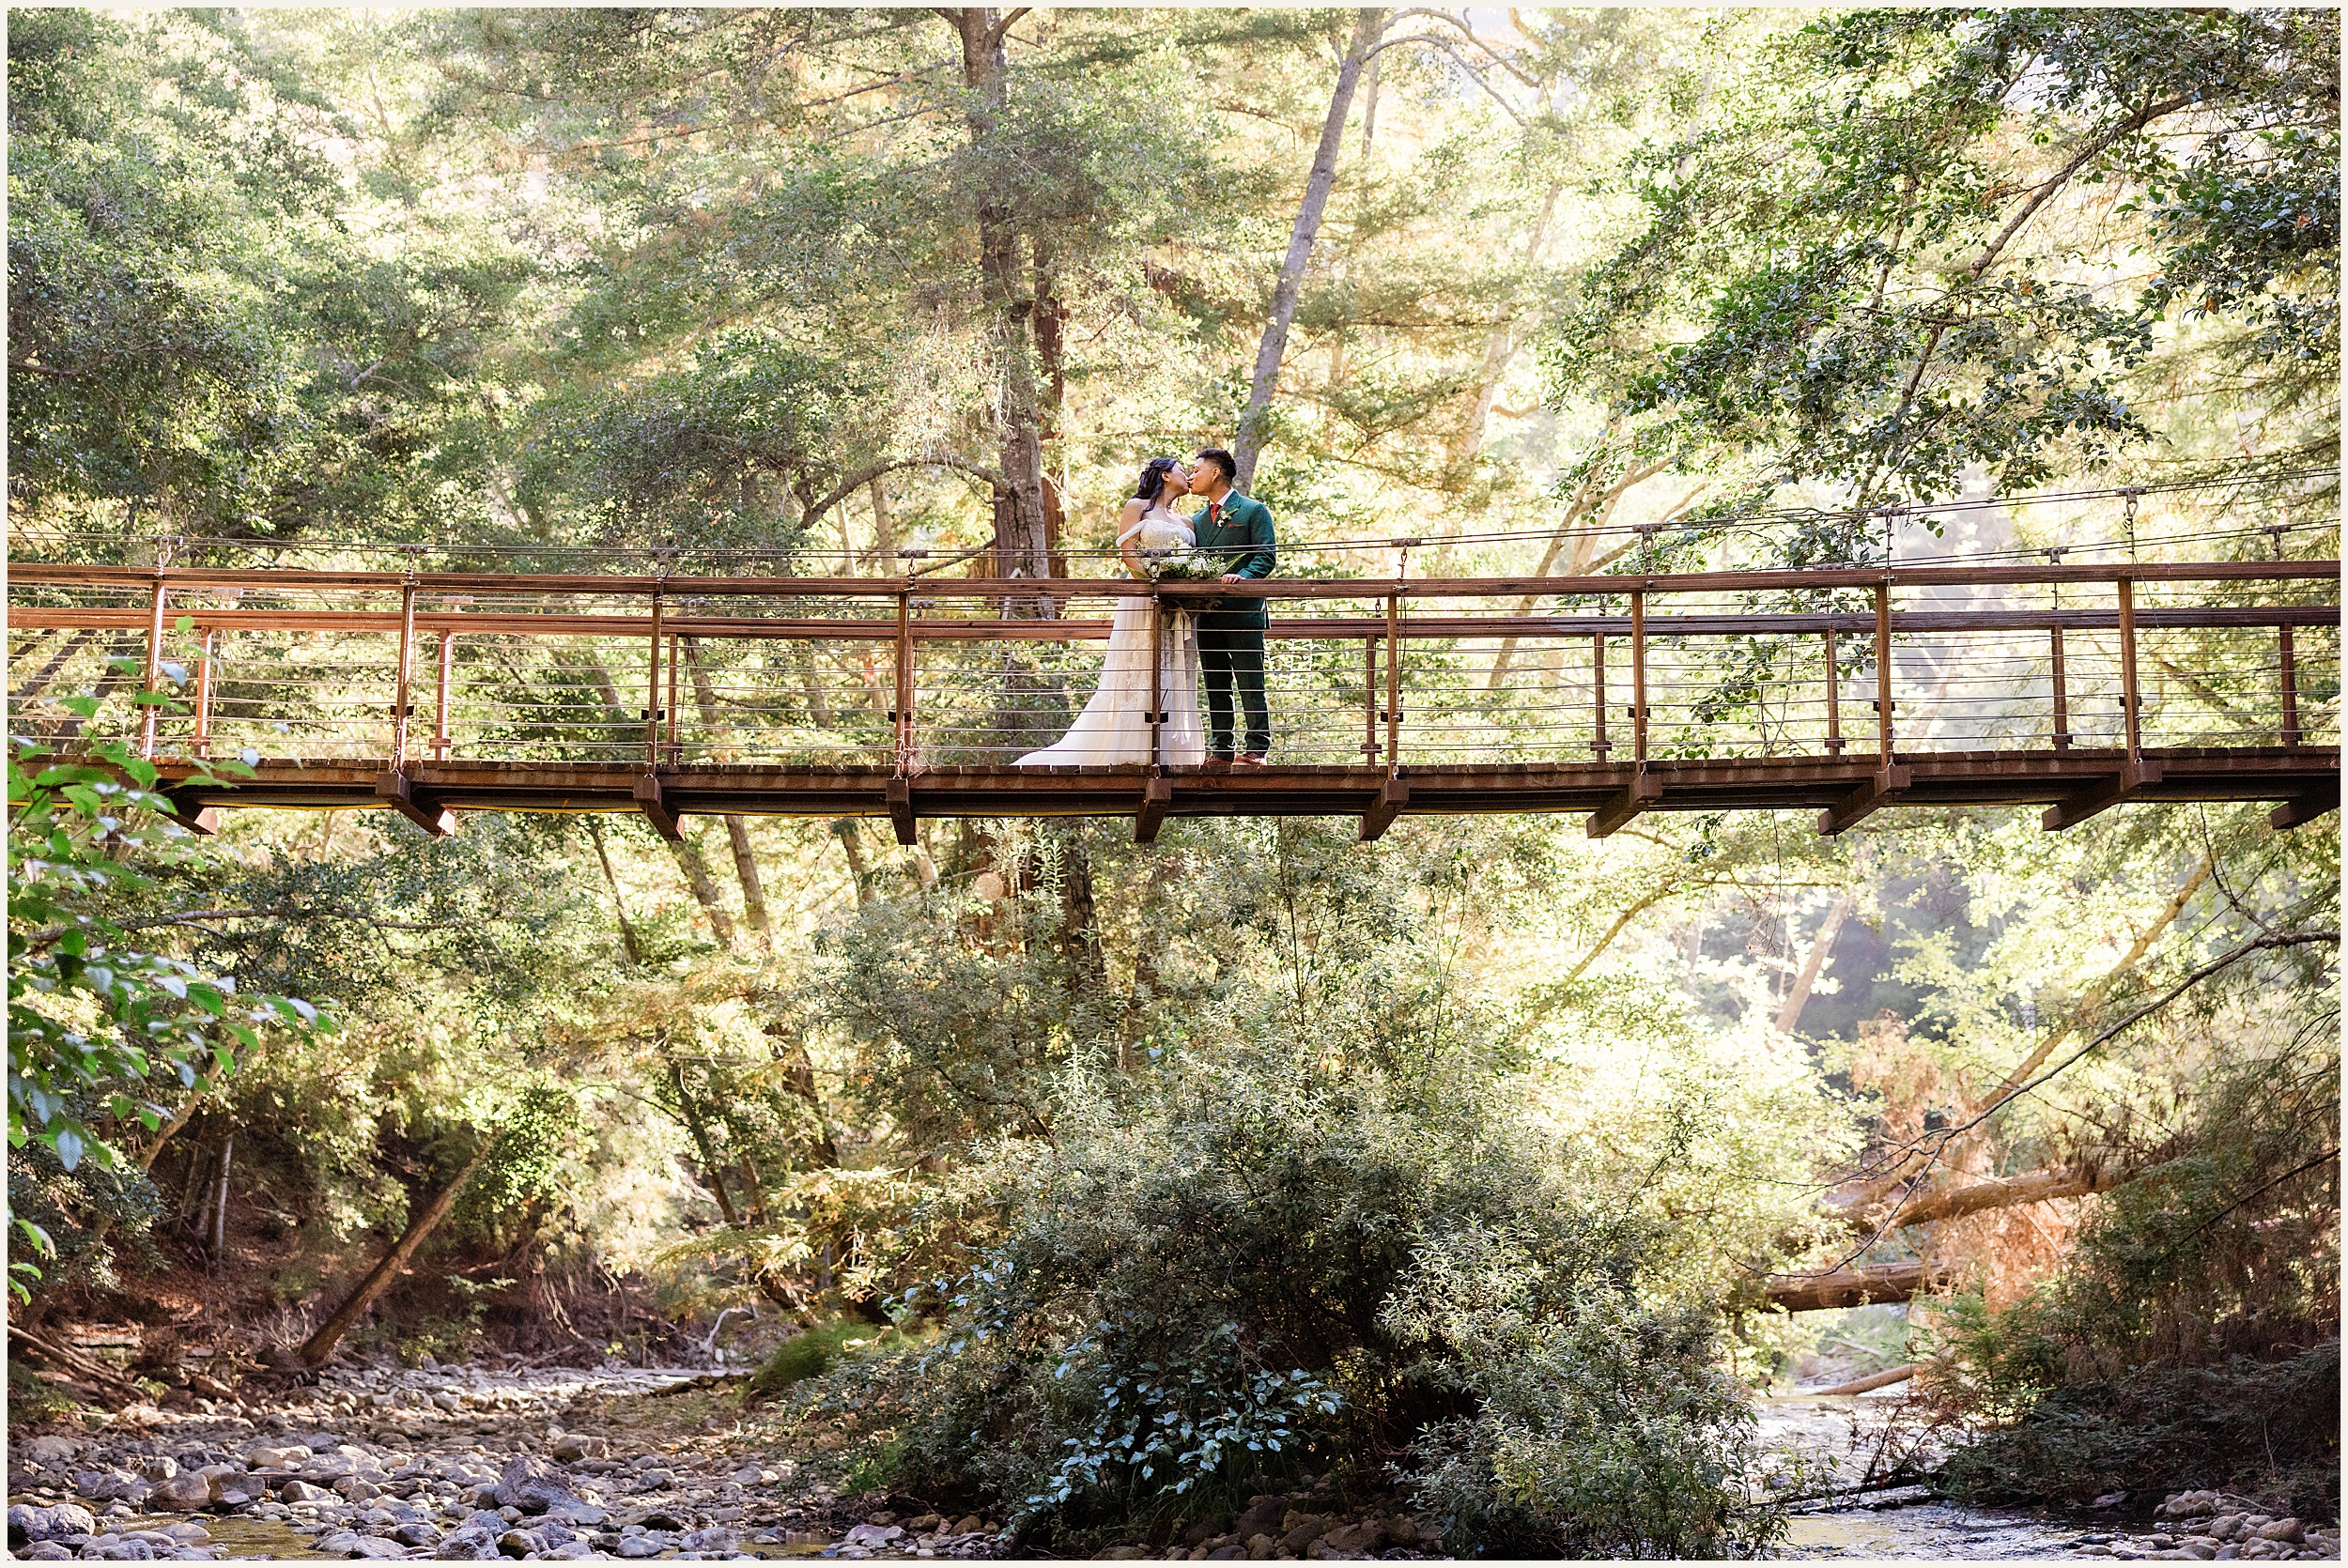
(187, 1491)
(48, 1450)
(1262, 1518)
(636, 1545)
(111, 1486)
(872, 1535)
(163, 1467)
(272, 1456)
(573, 1446)
(375, 1546)
(302, 1491)
(469, 1545)
(2283, 1530)
(29, 1523)
(44, 1551)
(534, 1486)
(1300, 1531)
(716, 1539)
(1366, 1536)
(521, 1542)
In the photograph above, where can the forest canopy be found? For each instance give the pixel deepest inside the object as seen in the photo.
(1487, 1164)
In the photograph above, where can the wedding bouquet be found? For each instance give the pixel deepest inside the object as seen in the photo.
(1184, 565)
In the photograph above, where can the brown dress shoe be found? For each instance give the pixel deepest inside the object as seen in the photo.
(1253, 760)
(1218, 764)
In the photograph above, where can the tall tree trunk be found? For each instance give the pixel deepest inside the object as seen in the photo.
(628, 931)
(1799, 998)
(745, 869)
(853, 844)
(696, 870)
(884, 524)
(711, 1172)
(737, 831)
(1500, 345)
(1369, 25)
(1020, 546)
(319, 1349)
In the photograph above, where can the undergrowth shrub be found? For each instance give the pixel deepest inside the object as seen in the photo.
(1280, 1263)
(2193, 1339)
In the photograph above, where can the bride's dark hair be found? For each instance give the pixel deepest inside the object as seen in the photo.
(1154, 478)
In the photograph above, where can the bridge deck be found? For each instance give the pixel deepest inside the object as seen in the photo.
(1843, 690)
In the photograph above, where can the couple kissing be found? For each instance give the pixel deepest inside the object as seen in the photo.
(1224, 641)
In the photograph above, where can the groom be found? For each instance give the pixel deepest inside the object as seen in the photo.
(1230, 631)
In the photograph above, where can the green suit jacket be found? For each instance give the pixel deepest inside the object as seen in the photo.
(1240, 530)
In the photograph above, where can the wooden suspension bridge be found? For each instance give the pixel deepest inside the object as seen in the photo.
(1844, 691)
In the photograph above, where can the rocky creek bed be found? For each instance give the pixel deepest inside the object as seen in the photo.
(474, 1464)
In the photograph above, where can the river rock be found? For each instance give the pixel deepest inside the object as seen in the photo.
(1300, 1531)
(872, 1535)
(535, 1486)
(43, 1551)
(1262, 1518)
(716, 1539)
(2283, 1530)
(51, 1450)
(572, 1446)
(188, 1490)
(28, 1523)
(636, 1545)
(111, 1486)
(276, 1457)
(302, 1491)
(161, 1466)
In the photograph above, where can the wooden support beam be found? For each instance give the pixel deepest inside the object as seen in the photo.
(1156, 795)
(899, 796)
(1386, 804)
(2123, 786)
(395, 790)
(1643, 791)
(657, 810)
(2304, 808)
(195, 818)
(1882, 788)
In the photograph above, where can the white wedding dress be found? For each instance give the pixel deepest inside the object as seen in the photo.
(1114, 724)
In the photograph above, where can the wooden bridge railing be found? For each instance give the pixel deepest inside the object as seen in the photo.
(918, 675)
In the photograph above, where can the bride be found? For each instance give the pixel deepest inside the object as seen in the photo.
(1114, 724)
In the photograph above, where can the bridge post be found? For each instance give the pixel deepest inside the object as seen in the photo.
(2061, 697)
(1638, 677)
(903, 690)
(2135, 773)
(675, 749)
(2131, 699)
(1370, 698)
(1600, 745)
(1834, 742)
(2289, 671)
(1394, 684)
(439, 696)
(652, 687)
(203, 697)
(1884, 671)
(1157, 790)
(400, 682)
(148, 711)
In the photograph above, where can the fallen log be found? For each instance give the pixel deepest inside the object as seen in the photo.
(1954, 1203)
(1874, 1380)
(71, 1362)
(1851, 1286)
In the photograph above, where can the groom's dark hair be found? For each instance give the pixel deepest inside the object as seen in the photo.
(1221, 459)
